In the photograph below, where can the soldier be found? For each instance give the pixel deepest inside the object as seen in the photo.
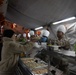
(61, 40)
(10, 52)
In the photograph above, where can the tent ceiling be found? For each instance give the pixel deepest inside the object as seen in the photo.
(34, 13)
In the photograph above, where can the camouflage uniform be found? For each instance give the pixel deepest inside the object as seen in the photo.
(63, 43)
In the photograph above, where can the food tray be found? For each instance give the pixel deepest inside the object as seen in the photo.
(40, 71)
(30, 63)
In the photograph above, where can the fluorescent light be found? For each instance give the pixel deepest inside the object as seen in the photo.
(65, 20)
(38, 28)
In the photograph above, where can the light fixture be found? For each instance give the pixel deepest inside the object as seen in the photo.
(65, 20)
(38, 28)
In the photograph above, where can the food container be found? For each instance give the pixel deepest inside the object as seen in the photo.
(37, 45)
(55, 47)
(44, 45)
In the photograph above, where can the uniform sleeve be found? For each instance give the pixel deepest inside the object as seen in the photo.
(18, 48)
(67, 45)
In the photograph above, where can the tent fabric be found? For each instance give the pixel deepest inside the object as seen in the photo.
(33, 13)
